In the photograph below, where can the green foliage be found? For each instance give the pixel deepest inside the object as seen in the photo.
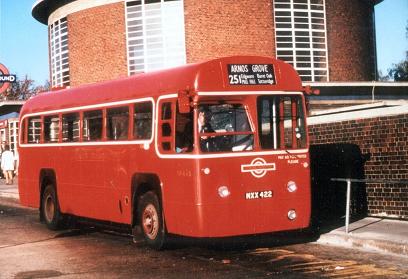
(399, 72)
(24, 89)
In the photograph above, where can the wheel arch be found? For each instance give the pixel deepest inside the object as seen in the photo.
(47, 176)
(141, 184)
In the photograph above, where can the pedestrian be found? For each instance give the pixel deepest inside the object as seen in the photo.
(7, 164)
(17, 163)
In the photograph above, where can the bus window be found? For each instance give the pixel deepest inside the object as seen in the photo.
(166, 111)
(70, 127)
(23, 131)
(92, 125)
(224, 127)
(51, 128)
(143, 115)
(281, 122)
(184, 132)
(166, 127)
(34, 130)
(118, 123)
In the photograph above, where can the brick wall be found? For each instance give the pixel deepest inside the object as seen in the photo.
(350, 40)
(97, 39)
(381, 144)
(223, 28)
(97, 44)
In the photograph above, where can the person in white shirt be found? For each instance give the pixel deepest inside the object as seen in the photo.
(7, 164)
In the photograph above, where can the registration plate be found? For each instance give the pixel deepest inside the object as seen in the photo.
(258, 195)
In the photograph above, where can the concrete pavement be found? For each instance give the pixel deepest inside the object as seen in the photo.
(9, 191)
(375, 234)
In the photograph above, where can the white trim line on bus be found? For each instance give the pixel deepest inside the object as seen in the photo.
(235, 93)
(219, 155)
(84, 108)
(100, 105)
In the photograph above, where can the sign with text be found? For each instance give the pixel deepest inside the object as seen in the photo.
(251, 74)
(5, 79)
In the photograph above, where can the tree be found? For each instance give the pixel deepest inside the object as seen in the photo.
(383, 77)
(24, 89)
(399, 71)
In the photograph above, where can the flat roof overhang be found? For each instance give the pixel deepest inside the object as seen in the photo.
(42, 9)
(7, 107)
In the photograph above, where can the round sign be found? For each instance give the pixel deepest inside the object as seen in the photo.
(4, 72)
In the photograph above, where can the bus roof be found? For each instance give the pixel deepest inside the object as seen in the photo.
(218, 75)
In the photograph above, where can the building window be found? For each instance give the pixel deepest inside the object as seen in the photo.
(155, 34)
(59, 53)
(300, 27)
(13, 135)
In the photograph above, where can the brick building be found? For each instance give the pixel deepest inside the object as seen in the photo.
(326, 40)
(369, 143)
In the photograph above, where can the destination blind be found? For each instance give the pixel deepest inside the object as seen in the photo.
(251, 74)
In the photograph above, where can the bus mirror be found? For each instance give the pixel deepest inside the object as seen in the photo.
(184, 101)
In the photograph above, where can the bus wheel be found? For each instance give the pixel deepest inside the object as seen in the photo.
(50, 211)
(151, 220)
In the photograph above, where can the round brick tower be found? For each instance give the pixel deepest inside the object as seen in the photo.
(95, 40)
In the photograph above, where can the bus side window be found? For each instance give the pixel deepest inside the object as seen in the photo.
(166, 127)
(184, 131)
(51, 128)
(34, 130)
(23, 131)
(70, 127)
(118, 123)
(143, 114)
(282, 123)
(92, 126)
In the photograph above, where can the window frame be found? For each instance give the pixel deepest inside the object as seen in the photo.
(59, 53)
(108, 123)
(286, 113)
(301, 37)
(134, 122)
(80, 111)
(45, 130)
(102, 125)
(77, 113)
(148, 28)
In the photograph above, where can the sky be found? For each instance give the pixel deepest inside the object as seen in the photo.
(391, 18)
(24, 41)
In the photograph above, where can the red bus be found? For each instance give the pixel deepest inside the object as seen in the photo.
(212, 149)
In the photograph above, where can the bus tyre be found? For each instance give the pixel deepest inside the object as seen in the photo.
(151, 220)
(50, 211)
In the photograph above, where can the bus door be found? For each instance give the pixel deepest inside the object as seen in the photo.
(174, 143)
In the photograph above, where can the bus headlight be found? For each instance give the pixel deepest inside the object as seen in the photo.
(292, 187)
(291, 214)
(223, 191)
